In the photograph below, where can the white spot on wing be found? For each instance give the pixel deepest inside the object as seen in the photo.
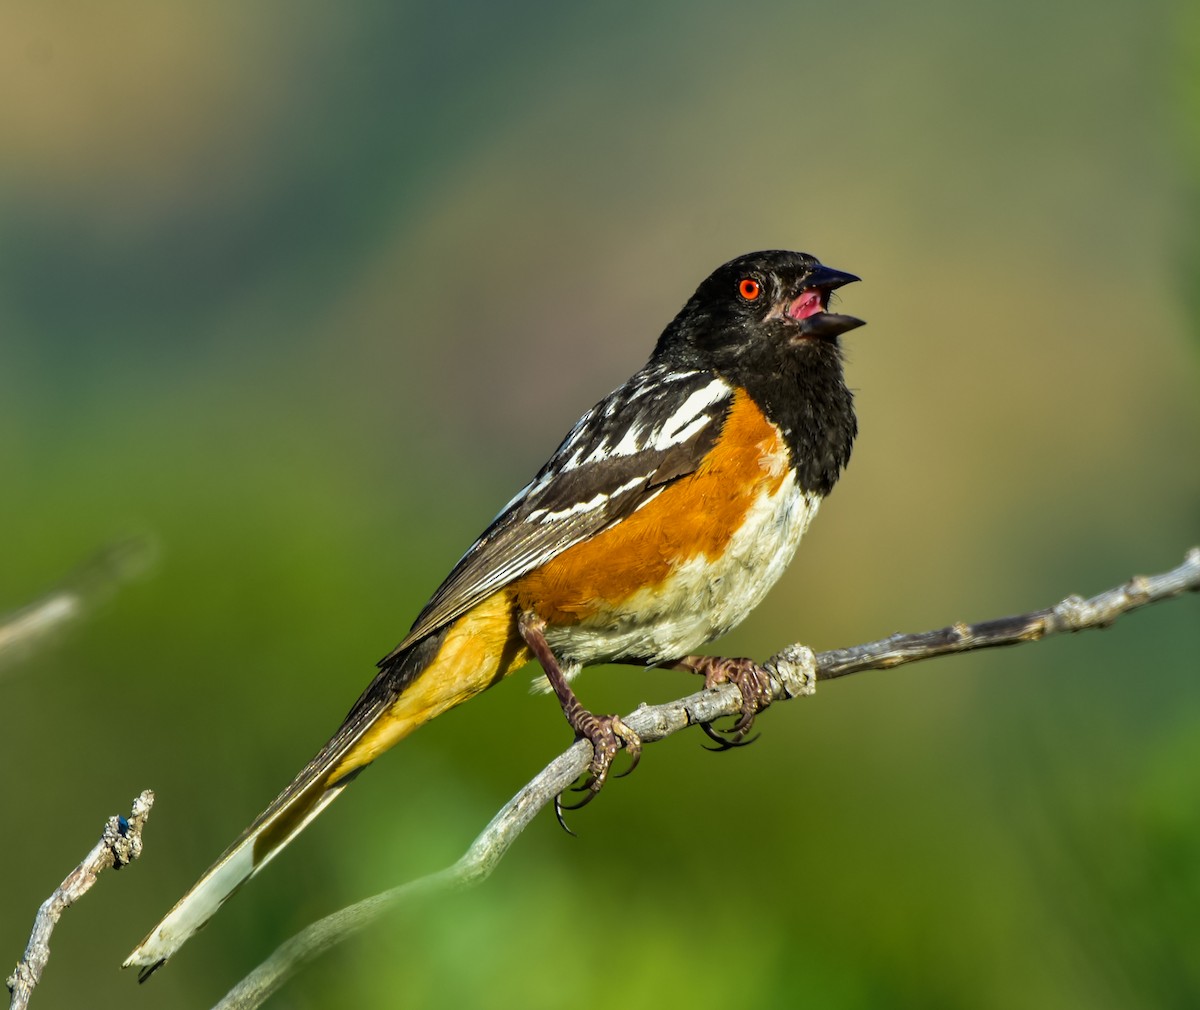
(545, 516)
(660, 379)
(579, 507)
(668, 439)
(689, 411)
(690, 417)
(631, 442)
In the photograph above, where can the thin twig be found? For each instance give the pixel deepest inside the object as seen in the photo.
(795, 669)
(89, 584)
(120, 843)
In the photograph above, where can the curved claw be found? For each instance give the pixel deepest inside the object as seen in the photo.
(635, 755)
(559, 806)
(725, 743)
(751, 680)
(608, 734)
(743, 725)
(558, 814)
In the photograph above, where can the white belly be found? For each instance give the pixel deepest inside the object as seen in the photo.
(702, 599)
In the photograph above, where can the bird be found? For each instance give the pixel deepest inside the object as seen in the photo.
(661, 520)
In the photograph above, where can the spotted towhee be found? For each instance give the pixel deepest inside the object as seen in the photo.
(657, 525)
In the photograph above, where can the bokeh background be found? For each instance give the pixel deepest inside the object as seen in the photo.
(305, 291)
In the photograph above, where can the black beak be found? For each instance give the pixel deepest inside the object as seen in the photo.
(825, 325)
(825, 278)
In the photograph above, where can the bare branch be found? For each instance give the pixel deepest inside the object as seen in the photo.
(120, 843)
(21, 630)
(795, 670)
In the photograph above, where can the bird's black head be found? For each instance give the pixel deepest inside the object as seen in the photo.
(760, 322)
(757, 308)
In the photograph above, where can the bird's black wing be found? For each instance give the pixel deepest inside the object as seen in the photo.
(654, 429)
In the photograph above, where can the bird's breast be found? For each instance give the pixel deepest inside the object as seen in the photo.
(689, 564)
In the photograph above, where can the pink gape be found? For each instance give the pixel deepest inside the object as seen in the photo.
(810, 302)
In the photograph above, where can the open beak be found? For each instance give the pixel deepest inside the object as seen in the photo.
(808, 308)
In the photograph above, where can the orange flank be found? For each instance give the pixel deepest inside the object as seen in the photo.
(704, 509)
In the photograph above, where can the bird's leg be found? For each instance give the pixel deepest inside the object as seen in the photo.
(752, 680)
(606, 733)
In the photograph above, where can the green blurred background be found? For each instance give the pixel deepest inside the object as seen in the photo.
(306, 291)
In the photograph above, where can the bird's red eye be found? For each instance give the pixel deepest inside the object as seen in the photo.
(749, 288)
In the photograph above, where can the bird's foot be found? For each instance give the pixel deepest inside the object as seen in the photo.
(752, 681)
(607, 734)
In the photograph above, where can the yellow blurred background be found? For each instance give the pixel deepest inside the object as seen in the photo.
(305, 292)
